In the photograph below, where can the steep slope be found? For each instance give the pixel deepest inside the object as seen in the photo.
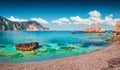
(6, 24)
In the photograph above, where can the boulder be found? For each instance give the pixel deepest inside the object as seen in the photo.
(94, 28)
(27, 46)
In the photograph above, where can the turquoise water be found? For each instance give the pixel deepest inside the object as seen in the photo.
(52, 44)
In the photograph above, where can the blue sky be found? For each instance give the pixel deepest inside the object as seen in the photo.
(64, 11)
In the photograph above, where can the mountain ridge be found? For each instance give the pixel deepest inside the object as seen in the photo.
(6, 24)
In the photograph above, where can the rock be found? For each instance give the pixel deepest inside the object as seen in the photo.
(42, 50)
(108, 39)
(73, 32)
(67, 48)
(27, 46)
(16, 56)
(116, 37)
(116, 32)
(2, 46)
(117, 27)
(70, 47)
(94, 28)
(97, 49)
(32, 53)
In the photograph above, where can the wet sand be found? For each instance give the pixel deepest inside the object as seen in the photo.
(97, 60)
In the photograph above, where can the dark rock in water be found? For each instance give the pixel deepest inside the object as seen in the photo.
(27, 46)
(70, 47)
(73, 32)
(89, 43)
(16, 56)
(2, 46)
(52, 50)
(67, 48)
(61, 44)
(108, 39)
(116, 36)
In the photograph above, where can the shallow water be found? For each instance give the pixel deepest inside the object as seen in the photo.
(52, 44)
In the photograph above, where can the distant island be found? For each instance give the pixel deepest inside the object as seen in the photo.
(7, 25)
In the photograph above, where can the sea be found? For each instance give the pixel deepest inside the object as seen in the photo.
(52, 44)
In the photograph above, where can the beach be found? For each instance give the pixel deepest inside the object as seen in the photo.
(97, 60)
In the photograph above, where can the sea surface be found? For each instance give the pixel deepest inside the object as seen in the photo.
(52, 44)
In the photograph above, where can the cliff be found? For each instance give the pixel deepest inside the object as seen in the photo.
(6, 24)
(94, 28)
(116, 31)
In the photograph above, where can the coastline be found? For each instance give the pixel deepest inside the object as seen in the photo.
(91, 61)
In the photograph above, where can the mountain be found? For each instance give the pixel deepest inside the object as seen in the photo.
(6, 24)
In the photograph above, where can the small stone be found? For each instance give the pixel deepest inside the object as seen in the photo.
(97, 49)
(32, 53)
(70, 47)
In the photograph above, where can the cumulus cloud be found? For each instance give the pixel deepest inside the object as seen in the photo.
(12, 18)
(40, 20)
(61, 21)
(109, 20)
(94, 17)
(78, 20)
(95, 13)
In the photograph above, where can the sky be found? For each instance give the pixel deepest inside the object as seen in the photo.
(63, 14)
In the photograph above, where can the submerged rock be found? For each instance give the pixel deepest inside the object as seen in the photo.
(73, 32)
(16, 56)
(70, 47)
(94, 28)
(67, 48)
(42, 50)
(32, 53)
(27, 46)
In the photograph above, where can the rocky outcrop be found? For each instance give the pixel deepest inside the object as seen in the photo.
(6, 24)
(117, 27)
(27, 46)
(94, 28)
(116, 32)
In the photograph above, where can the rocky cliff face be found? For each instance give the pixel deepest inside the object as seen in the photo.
(116, 31)
(117, 27)
(94, 28)
(6, 24)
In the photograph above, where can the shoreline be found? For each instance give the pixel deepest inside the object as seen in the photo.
(90, 61)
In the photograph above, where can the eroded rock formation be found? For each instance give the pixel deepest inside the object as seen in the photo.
(94, 28)
(27, 46)
(117, 27)
(116, 31)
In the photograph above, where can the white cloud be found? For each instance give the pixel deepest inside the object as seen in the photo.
(12, 18)
(40, 20)
(61, 21)
(109, 20)
(94, 17)
(95, 13)
(78, 20)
